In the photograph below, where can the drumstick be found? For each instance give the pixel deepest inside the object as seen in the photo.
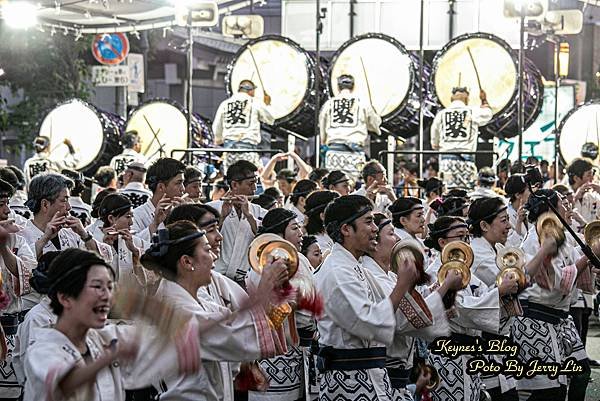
(257, 70)
(474, 67)
(459, 78)
(362, 63)
(153, 133)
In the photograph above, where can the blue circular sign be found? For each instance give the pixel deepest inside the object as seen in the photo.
(110, 48)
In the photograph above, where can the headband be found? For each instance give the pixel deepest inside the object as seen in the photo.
(443, 231)
(67, 273)
(247, 86)
(191, 180)
(316, 209)
(416, 206)
(356, 215)
(383, 223)
(208, 223)
(308, 241)
(472, 222)
(343, 178)
(161, 242)
(103, 212)
(284, 222)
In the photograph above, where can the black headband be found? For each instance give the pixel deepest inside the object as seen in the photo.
(443, 231)
(356, 215)
(472, 222)
(104, 212)
(339, 180)
(316, 209)
(383, 223)
(416, 206)
(284, 222)
(161, 242)
(208, 223)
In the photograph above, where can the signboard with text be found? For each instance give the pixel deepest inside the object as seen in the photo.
(116, 75)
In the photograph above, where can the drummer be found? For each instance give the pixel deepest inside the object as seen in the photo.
(237, 123)
(345, 122)
(455, 129)
(42, 161)
(131, 153)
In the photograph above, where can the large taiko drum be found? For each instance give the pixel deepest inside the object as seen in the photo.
(392, 75)
(287, 72)
(162, 127)
(581, 125)
(497, 65)
(94, 134)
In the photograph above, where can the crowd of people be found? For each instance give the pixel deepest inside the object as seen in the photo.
(208, 326)
(141, 283)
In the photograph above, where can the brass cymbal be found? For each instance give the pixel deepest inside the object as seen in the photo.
(458, 251)
(406, 248)
(256, 247)
(521, 279)
(434, 379)
(510, 257)
(279, 249)
(457, 265)
(591, 232)
(549, 226)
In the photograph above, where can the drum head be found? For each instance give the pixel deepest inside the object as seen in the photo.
(495, 63)
(80, 123)
(387, 67)
(580, 125)
(284, 70)
(159, 123)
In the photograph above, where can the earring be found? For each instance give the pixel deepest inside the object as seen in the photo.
(192, 269)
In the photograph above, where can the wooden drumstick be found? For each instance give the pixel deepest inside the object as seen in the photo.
(257, 71)
(153, 139)
(362, 63)
(474, 67)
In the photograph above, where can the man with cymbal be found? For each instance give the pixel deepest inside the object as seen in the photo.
(455, 129)
(237, 123)
(345, 123)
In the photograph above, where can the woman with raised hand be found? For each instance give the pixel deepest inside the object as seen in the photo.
(287, 384)
(116, 214)
(83, 358)
(182, 255)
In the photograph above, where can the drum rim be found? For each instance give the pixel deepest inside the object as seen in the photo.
(309, 69)
(170, 102)
(376, 35)
(564, 121)
(99, 113)
(460, 38)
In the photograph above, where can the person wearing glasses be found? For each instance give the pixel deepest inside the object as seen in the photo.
(375, 186)
(239, 220)
(165, 180)
(81, 357)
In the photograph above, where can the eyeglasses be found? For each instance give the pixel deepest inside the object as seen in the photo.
(465, 238)
(101, 289)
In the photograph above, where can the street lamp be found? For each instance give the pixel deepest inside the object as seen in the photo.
(19, 14)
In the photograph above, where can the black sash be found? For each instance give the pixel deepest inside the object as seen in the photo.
(330, 358)
(543, 313)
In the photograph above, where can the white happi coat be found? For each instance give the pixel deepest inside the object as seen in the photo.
(352, 128)
(456, 127)
(353, 319)
(143, 216)
(514, 238)
(51, 355)
(299, 215)
(543, 339)
(17, 204)
(476, 309)
(81, 210)
(238, 119)
(325, 242)
(237, 236)
(43, 163)
(122, 262)
(40, 315)
(121, 161)
(68, 239)
(137, 193)
(15, 286)
(223, 337)
(382, 201)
